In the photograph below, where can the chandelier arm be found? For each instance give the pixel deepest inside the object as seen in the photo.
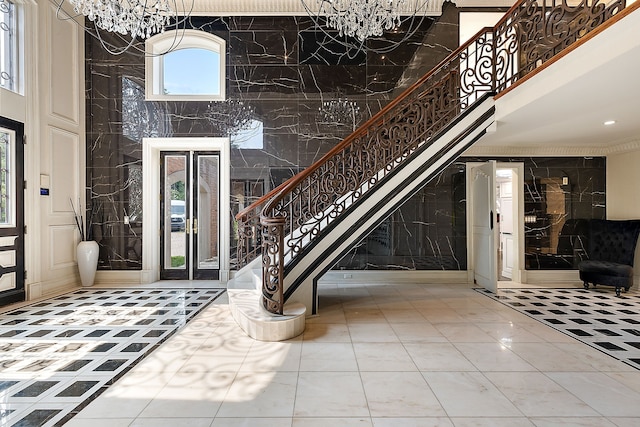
(319, 21)
(133, 43)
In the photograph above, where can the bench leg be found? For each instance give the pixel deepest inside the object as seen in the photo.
(586, 285)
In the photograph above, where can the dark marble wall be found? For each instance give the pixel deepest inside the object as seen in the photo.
(281, 71)
(429, 231)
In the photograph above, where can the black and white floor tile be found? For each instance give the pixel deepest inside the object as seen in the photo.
(59, 354)
(596, 317)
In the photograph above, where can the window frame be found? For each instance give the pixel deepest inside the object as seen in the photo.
(13, 41)
(168, 41)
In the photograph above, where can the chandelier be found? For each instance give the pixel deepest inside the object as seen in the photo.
(137, 18)
(230, 116)
(340, 111)
(361, 19)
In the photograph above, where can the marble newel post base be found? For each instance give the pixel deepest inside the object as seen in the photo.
(87, 254)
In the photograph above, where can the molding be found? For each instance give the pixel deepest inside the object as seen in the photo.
(285, 7)
(624, 147)
(75, 120)
(151, 148)
(119, 277)
(46, 289)
(395, 276)
(549, 278)
(533, 151)
(555, 151)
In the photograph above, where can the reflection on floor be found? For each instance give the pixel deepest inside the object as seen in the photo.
(57, 355)
(377, 356)
(596, 317)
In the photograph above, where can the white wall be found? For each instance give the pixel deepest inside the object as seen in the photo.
(623, 178)
(62, 150)
(54, 116)
(623, 198)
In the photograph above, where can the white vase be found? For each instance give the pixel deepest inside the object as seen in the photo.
(87, 253)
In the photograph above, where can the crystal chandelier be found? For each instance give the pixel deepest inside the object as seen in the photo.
(230, 116)
(361, 19)
(137, 18)
(340, 111)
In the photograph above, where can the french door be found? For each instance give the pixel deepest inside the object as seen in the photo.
(11, 211)
(483, 219)
(189, 212)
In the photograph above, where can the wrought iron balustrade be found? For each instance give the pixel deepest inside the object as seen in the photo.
(290, 217)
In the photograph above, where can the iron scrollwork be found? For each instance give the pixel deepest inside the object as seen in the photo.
(528, 36)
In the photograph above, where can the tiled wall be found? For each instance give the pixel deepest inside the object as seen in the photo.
(429, 231)
(283, 71)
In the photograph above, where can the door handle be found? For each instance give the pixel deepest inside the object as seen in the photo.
(195, 225)
(491, 220)
(187, 226)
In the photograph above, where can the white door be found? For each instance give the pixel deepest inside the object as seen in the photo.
(483, 212)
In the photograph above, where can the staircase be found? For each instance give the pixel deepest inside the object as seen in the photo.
(293, 235)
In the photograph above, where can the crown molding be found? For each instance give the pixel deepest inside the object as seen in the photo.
(624, 147)
(285, 7)
(534, 151)
(556, 151)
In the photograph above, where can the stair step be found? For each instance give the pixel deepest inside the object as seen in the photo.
(261, 325)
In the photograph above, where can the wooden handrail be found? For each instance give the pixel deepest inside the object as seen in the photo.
(591, 34)
(373, 119)
(294, 180)
(508, 27)
(261, 200)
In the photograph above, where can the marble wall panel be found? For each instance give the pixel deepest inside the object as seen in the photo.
(263, 47)
(282, 69)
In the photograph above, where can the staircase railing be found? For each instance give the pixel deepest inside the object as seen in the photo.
(294, 214)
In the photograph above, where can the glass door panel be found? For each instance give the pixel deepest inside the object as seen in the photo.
(190, 215)
(206, 217)
(175, 208)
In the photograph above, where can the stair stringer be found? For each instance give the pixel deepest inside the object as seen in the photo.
(300, 281)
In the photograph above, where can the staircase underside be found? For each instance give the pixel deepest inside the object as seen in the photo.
(348, 229)
(376, 205)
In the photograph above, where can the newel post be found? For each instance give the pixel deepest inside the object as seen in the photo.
(272, 263)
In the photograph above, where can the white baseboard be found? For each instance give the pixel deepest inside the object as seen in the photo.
(39, 290)
(112, 277)
(551, 277)
(395, 276)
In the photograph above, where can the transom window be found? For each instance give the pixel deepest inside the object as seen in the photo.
(8, 46)
(185, 65)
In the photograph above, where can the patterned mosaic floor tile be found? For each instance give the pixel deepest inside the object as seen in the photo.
(59, 354)
(596, 317)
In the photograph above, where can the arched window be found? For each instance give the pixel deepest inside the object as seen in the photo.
(185, 65)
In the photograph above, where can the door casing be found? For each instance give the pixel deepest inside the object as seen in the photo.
(12, 238)
(151, 203)
(519, 272)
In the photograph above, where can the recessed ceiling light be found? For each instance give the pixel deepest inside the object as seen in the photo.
(610, 122)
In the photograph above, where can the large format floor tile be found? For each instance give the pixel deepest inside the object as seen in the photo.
(385, 355)
(57, 355)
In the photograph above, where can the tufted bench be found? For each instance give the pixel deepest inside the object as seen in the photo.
(612, 246)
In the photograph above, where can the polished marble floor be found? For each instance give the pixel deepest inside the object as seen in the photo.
(596, 316)
(377, 356)
(58, 354)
